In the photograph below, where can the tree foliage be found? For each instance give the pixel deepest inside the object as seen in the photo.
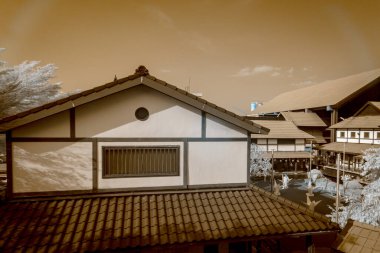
(366, 206)
(26, 86)
(260, 166)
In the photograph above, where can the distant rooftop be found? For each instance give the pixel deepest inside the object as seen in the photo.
(281, 129)
(324, 94)
(310, 119)
(366, 122)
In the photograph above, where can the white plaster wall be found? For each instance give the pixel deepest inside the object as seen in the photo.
(57, 125)
(52, 166)
(218, 128)
(366, 141)
(217, 162)
(341, 140)
(114, 116)
(300, 147)
(133, 182)
(272, 141)
(352, 140)
(272, 147)
(263, 147)
(377, 140)
(284, 147)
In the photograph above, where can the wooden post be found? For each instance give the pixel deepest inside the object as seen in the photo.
(337, 187)
(272, 178)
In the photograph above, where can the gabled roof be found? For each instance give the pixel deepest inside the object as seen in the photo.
(348, 148)
(359, 237)
(141, 77)
(365, 122)
(310, 119)
(281, 129)
(329, 93)
(371, 108)
(102, 223)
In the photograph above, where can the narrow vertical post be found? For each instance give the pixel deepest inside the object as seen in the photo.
(337, 187)
(272, 178)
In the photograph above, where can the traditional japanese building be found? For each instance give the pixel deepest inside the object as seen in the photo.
(353, 136)
(330, 99)
(139, 165)
(288, 143)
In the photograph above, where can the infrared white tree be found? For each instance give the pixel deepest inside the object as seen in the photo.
(366, 207)
(260, 165)
(26, 86)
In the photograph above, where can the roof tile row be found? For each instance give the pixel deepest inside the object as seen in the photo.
(110, 222)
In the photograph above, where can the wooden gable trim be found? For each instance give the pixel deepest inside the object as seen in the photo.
(204, 106)
(55, 107)
(369, 103)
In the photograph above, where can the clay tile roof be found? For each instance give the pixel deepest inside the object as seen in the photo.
(366, 122)
(141, 76)
(332, 92)
(106, 222)
(358, 237)
(304, 119)
(281, 129)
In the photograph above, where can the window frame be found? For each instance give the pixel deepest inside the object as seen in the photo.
(286, 141)
(177, 162)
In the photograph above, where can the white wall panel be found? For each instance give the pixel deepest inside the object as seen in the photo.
(52, 166)
(217, 162)
(53, 126)
(114, 116)
(217, 128)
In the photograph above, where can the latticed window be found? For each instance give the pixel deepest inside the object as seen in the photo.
(366, 135)
(140, 161)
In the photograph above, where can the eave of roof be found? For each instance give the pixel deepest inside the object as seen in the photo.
(310, 119)
(141, 76)
(153, 219)
(348, 148)
(363, 122)
(281, 129)
(287, 154)
(329, 93)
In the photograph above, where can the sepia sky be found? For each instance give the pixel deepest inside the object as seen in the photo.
(233, 52)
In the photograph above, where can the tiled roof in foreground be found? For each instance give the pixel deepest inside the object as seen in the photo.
(152, 219)
(359, 237)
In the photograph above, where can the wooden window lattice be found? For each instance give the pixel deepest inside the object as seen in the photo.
(140, 161)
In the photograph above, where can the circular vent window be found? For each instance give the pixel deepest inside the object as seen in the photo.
(142, 114)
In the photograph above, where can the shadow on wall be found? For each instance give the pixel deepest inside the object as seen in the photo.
(68, 168)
